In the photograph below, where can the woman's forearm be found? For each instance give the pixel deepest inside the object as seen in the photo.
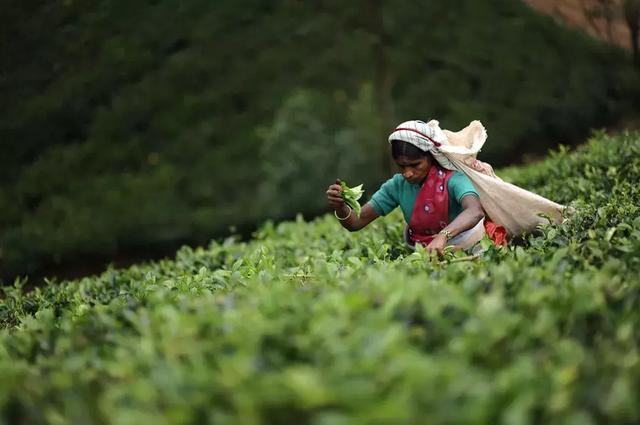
(466, 220)
(352, 222)
(347, 218)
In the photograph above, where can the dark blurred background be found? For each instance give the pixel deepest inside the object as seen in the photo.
(129, 128)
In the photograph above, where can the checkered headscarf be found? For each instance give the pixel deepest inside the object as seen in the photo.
(425, 136)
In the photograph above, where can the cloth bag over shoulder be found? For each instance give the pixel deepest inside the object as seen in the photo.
(517, 210)
(508, 205)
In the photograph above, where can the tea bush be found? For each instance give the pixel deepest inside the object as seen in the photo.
(308, 323)
(124, 125)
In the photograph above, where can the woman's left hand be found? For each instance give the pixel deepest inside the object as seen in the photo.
(437, 244)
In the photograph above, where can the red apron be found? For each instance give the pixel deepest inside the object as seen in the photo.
(431, 210)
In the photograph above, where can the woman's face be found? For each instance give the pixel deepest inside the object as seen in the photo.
(413, 170)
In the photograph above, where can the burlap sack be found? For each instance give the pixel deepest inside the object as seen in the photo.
(518, 210)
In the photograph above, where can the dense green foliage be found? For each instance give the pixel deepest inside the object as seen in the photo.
(309, 323)
(150, 122)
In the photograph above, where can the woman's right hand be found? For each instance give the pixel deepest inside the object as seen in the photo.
(343, 212)
(334, 196)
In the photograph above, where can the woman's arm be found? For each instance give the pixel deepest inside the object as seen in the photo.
(471, 214)
(351, 222)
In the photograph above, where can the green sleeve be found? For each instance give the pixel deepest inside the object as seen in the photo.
(460, 186)
(386, 199)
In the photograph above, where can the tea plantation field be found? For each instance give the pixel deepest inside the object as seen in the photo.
(310, 324)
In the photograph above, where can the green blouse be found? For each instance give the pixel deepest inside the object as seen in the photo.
(398, 191)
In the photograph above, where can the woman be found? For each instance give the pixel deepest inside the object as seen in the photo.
(440, 206)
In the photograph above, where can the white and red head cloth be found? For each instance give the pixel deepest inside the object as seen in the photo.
(427, 136)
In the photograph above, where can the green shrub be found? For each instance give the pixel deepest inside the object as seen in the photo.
(127, 125)
(309, 323)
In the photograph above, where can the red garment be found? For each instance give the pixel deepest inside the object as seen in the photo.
(431, 210)
(497, 233)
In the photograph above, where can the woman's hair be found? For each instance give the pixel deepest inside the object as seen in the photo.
(402, 148)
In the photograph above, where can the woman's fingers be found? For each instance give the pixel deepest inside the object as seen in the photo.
(437, 251)
(334, 195)
(435, 247)
(334, 190)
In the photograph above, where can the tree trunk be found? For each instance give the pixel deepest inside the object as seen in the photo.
(634, 45)
(608, 13)
(590, 14)
(632, 17)
(383, 79)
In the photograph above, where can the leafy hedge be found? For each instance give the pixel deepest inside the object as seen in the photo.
(308, 323)
(158, 122)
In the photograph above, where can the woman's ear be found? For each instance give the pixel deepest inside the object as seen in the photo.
(430, 159)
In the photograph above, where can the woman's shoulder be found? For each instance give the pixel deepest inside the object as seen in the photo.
(458, 176)
(460, 183)
(396, 180)
(394, 185)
